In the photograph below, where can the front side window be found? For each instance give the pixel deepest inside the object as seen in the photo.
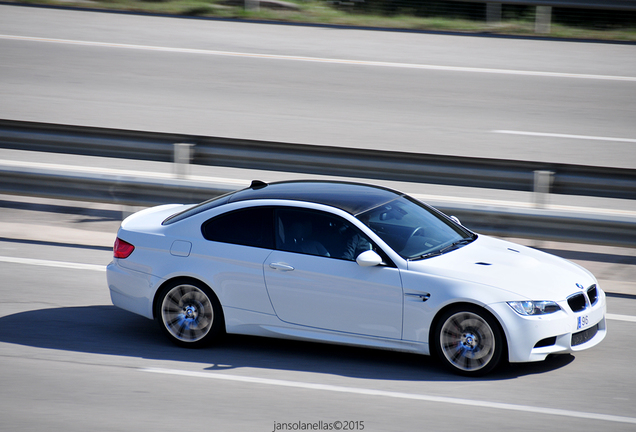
(414, 230)
(252, 226)
(318, 233)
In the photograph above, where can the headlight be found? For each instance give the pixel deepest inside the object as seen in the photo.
(532, 308)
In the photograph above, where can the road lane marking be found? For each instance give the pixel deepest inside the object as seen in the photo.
(616, 317)
(556, 135)
(322, 60)
(48, 263)
(397, 395)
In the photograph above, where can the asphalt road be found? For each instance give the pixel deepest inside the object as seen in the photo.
(71, 361)
(471, 96)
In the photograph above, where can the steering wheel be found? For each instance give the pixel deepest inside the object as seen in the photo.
(417, 231)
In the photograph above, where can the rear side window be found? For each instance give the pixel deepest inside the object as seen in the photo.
(252, 226)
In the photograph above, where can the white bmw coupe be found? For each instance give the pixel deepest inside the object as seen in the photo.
(352, 264)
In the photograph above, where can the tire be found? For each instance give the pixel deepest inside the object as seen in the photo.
(189, 314)
(468, 341)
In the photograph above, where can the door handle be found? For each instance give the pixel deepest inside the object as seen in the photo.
(280, 266)
(421, 296)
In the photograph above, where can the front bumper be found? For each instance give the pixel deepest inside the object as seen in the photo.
(534, 338)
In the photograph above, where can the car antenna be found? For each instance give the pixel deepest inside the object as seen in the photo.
(257, 184)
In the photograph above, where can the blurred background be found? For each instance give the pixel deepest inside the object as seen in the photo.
(599, 19)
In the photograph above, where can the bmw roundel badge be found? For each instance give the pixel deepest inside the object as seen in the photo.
(578, 285)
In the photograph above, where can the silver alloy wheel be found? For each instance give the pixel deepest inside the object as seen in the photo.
(187, 313)
(467, 341)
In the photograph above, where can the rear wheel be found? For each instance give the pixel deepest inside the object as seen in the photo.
(468, 341)
(190, 314)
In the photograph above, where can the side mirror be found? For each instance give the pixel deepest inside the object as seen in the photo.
(369, 259)
(456, 220)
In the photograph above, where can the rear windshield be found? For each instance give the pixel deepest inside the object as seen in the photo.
(199, 208)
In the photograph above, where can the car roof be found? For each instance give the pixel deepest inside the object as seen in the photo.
(354, 198)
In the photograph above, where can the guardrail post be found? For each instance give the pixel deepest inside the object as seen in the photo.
(542, 19)
(182, 158)
(252, 5)
(493, 14)
(542, 184)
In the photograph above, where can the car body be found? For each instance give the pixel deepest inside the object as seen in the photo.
(354, 264)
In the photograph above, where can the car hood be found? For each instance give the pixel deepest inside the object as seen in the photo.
(526, 272)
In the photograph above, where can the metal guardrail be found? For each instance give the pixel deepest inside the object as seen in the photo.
(322, 160)
(62, 183)
(623, 5)
(543, 14)
(142, 189)
(547, 224)
(127, 190)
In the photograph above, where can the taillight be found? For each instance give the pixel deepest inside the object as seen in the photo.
(122, 249)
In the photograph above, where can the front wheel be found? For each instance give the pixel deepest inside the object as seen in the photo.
(189, 314)
(468, 341)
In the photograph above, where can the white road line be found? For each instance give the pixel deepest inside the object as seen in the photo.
(616, 317)
(556, 135)
(322, 60)
(48, 263)
(398, 395)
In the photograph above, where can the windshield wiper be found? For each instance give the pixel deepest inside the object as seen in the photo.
(445, 249)
(427, 255)
(454, 245)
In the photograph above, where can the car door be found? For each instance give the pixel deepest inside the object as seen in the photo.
(313, 279)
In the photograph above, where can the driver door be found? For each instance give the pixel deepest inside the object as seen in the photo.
(313, 281)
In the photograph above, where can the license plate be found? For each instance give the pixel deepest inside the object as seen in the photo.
(582, 322)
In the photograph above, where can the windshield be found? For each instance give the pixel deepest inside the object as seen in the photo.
(414, 230)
